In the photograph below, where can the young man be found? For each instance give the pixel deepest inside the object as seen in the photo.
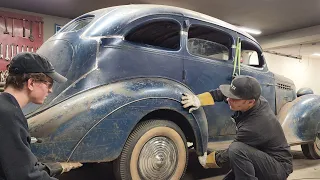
(260, 149)
(30, 79)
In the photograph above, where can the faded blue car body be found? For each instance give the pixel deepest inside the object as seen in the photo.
(93, 126)
(114, 84)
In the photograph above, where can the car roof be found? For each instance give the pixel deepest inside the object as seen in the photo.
(130, 12)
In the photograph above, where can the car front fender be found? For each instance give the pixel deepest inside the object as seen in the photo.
(300, 119)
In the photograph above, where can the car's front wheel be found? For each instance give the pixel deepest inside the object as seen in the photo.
(156, 149)
(312, 150)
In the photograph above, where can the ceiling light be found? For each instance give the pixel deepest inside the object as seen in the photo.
(249, 30)
(316, 54)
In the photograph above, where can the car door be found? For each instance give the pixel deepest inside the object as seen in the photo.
(150, 48)
(208, 64)
(253, 64)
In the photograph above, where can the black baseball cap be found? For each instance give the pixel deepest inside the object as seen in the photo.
(242, 87)
(28, 62)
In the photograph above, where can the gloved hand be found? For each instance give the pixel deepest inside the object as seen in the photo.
(203, 160)
(208, 161)
(66, 167)
(217, 95)
(189, 100)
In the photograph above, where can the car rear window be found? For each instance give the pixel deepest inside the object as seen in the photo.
(77, 24)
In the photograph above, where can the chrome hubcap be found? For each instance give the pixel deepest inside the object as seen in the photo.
(158, 159)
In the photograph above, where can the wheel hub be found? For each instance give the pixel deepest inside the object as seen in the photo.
(158, 159)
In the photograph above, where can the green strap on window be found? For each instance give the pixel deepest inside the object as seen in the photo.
(237, 58)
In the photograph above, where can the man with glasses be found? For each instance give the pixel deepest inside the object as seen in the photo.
(260, 149)
(30, 79)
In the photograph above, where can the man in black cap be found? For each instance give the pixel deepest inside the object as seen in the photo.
(260, 149)
(30, 79)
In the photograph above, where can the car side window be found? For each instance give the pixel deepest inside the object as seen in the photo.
(208, 42)
(163, 34)
(250, 55)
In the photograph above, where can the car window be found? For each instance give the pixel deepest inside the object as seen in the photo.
(77, 24)
(164, 34)
(208, 49)
(250, 55)
(209, 43)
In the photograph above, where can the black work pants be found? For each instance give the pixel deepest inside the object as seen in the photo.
(248, 163)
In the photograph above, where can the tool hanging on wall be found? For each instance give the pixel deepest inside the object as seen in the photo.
(6, 27)
(12, 27)
(18, 33)
(40, 33)
(28, 40)
(7, 53)
(1, 55)
(23, 28)
(12, 51)
(31, 35)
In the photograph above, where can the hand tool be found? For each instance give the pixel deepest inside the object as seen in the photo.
(23, 28)
(7, 53)
(1, 55)
(40, 30)
(31, 36)
(5, 24)
(12, 27)
(12, 51)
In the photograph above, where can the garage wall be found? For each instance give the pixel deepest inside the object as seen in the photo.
(49, 22)
(303, 72)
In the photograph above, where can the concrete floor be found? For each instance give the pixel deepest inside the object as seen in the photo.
(304, 169)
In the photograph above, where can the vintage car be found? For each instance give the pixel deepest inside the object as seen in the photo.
(127, 68)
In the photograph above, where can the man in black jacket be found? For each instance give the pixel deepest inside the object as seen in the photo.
(30, 79)
(260, 149)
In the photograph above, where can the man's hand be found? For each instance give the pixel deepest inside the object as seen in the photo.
(66, 167)
(203, 160)
(208, 161)
(189, 100)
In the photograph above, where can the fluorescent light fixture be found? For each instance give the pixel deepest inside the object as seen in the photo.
(316, 54)
(249, 30)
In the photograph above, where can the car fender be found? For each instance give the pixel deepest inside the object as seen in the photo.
(93, 125)
(300, 119)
